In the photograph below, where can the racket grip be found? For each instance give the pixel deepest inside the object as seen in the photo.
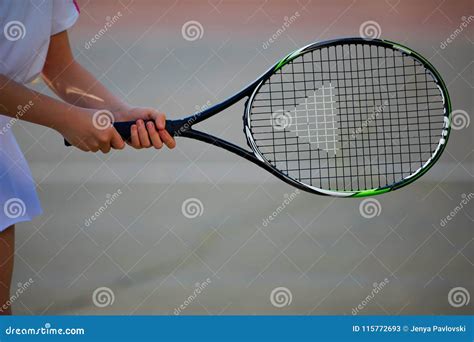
(174, 128)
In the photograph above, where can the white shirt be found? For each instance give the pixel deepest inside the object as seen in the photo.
(25, 30)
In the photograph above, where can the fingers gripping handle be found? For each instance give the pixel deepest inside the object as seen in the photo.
(174, 128)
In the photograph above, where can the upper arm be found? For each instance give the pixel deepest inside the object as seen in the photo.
(59, 56)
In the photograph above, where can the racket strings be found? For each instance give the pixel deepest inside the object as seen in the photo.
(348, 117)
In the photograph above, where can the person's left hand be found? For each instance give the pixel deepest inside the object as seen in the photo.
(152, 134)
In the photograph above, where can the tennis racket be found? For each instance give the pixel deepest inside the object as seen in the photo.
(348, 117)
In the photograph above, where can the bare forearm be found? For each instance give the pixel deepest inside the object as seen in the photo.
(18, 101)
(78, 125)
(75, 85)
(79, 87)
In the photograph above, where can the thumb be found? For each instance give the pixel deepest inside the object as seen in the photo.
(117, 141)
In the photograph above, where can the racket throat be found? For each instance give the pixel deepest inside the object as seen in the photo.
(179, 127)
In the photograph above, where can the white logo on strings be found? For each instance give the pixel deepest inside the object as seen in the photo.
(315, 119)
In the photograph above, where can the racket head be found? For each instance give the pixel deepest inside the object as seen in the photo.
(358, 117)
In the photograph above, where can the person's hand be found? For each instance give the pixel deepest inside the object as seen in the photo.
(90, 130)
(153, 133)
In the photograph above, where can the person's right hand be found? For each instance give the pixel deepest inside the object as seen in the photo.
(91, 130)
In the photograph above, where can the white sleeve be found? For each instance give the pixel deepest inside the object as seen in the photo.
(65, 14)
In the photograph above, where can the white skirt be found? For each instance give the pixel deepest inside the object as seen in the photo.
(18, 199)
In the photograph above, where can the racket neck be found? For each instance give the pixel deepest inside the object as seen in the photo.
(185, 124)
(178, 127)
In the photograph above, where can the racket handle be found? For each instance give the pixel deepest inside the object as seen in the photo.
(174, 128)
